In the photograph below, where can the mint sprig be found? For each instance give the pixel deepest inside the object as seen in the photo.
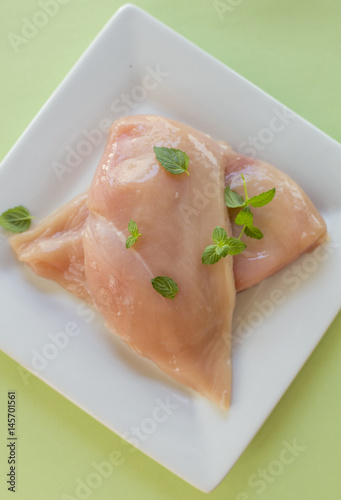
(134, 234)
(223, 246)
(16, 220)
(233, 246)
(173, 160)
(245, 216)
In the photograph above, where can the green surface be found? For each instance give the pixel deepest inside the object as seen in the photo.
(288, 48)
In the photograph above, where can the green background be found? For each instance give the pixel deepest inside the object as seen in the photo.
(292, 50)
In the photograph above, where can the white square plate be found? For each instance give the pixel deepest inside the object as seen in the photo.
(272, 340)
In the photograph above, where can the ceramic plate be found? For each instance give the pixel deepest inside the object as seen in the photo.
(138, 65)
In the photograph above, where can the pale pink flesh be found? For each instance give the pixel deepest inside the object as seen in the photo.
(291, 224)
(54, 248)
(188, 337)
(135, 186)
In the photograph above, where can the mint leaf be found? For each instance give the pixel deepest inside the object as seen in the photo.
(262, 199)
(173, 160)
(16, 220)
(219, 236)
(254, 232)
(165, 286)
(133, 230)
(244, 218)
(130, 241)
(210, 255)
(233, 199)
(222, 251)
(235, 246)
(132, 227)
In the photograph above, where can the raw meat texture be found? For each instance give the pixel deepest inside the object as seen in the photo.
(188, 337)
(54, 248)
(291, 224)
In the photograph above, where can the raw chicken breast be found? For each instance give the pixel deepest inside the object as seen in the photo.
(54, 248)
(188, 337)
(291, 224)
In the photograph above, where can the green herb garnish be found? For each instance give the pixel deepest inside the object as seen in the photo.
(245, 216)
(262, 199)
(223, 246)
(16, 220)
(235, 200)
(173, 160)
(134, 232)
(165, 286)
(233, 246)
